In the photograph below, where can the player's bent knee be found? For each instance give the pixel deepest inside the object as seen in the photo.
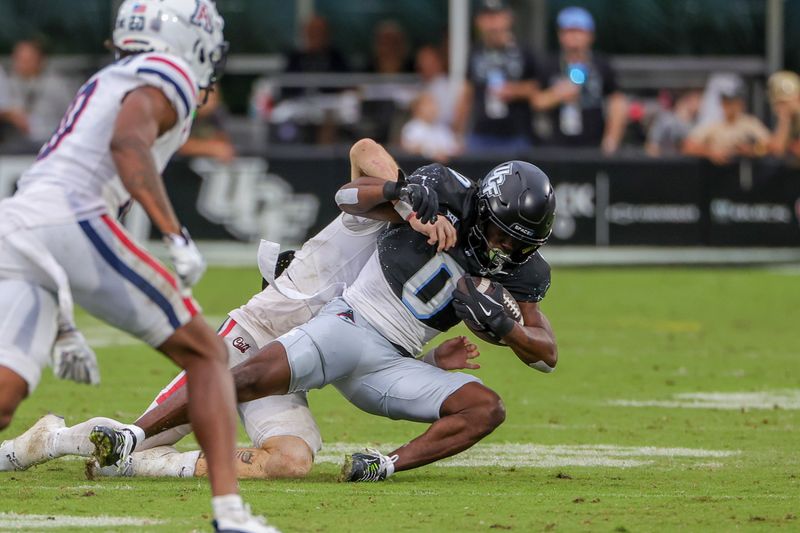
(362, 145)
(195, 342)
(489, 413)
(496, 414)
(287, 457)
(298, 462)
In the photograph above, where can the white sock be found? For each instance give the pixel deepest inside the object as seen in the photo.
(230, 507)
(164, 461)
(137, 432)
(75, 440)
(6, 451)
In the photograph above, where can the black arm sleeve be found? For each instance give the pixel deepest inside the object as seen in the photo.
(453, 188)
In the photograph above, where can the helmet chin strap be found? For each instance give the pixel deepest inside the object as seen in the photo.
(497, 260)
(492, 260)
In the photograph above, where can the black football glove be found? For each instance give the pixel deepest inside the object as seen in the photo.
(482, 309)
(423, 199)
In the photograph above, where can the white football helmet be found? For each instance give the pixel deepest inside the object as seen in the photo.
(189, 29)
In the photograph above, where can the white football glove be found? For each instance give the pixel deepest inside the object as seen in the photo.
(74, 359)
(186, 258)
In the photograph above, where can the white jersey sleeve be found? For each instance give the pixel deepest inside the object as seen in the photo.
(77, 160)
(334, 255)
(170, 75)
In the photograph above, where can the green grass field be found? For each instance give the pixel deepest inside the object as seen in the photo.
(675, 406)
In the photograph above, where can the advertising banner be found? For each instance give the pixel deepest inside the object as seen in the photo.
(288, 196)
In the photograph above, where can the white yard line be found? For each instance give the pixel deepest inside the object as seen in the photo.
(782, 399)
(514, 455)
(542, 456)
(41, 521)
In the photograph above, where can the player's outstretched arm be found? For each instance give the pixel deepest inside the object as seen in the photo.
(145, 115)
(415, 203)
(454, 354)
(364, 194)
(534, 343)
(368, 158)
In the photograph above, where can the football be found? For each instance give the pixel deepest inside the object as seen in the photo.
(496, 292)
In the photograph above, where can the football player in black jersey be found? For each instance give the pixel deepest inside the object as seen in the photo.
(365, 342)
(500, 222)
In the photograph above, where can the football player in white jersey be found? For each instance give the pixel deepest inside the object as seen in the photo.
(59, 237)
(282, 429)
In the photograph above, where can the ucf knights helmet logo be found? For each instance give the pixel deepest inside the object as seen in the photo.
(490, 187)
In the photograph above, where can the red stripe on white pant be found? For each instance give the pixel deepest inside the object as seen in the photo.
(227, 326)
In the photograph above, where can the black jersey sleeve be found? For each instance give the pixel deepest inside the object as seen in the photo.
(528, 282)
(454, 189)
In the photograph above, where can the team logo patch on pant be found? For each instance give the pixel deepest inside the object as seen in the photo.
(347, 316)
(240, 345)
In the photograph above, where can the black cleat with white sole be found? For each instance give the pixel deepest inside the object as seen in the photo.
(112, 446)
(368, 466)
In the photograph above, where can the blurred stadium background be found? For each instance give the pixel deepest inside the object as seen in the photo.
(307, 78)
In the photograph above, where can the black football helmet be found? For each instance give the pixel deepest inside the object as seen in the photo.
(518, 198)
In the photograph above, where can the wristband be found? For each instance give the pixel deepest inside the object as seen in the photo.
(403, 209)
(502, 325)
(391, 190)
(178, 239)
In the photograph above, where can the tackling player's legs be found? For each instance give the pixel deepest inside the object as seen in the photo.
(285, 457)
(282, 429)
(461, 409)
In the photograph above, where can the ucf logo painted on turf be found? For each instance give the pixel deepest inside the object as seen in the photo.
(492, 183)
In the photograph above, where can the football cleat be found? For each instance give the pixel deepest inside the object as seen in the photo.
(93, 470)
(244, 523)
(112, 446)
(33, 447)
(369, 466)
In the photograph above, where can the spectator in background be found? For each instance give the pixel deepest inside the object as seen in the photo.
(37, 98)
(784, 98)
(499, 86)
(316, 55)
(580, 90)
(390, 50)
(671, 127)
(737, 134)
(431, 69)
(208, 137)
(425, 135)
(4, 101)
